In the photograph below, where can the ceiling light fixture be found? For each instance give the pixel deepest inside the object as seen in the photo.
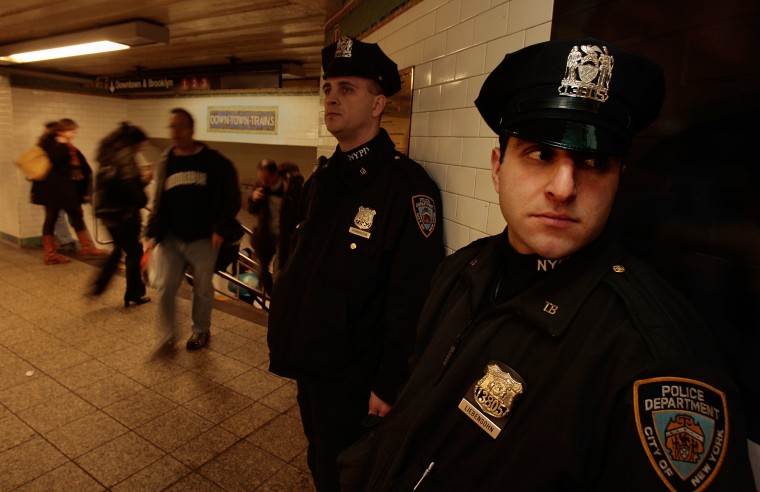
(100, 40)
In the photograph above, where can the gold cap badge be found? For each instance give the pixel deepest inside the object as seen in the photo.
(588, 73)
(343, 47)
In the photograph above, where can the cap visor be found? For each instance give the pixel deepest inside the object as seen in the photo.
(570, 135)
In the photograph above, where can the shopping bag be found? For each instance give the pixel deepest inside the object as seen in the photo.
(150, 265)
(35, 163)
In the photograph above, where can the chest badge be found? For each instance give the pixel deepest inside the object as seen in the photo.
(424, 212)
(363, 221)
(490, 400)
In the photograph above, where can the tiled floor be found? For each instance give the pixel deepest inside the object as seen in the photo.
(84, 406)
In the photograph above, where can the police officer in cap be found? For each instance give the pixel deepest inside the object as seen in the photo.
(552, 359)
(344, 309)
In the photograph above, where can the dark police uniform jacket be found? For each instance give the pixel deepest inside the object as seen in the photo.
(618, 387)
(344, 309)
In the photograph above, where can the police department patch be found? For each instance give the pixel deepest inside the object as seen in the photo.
(424, 212)
(683, 426)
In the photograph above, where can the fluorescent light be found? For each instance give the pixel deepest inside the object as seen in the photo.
(65, 51)
(116, 37)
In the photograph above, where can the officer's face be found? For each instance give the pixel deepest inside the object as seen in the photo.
(554, 201)
(351, 109)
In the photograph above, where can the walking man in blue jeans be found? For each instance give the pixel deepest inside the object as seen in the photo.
(194, 214)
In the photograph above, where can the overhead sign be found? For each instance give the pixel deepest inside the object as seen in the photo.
(244, 119)
(158, 84)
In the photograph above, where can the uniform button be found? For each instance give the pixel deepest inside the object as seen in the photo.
(353, 246)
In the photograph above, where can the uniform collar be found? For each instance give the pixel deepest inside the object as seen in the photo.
(362, 163)
(551, 302)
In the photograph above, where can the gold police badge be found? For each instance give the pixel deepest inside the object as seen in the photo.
(588, 73)
(363, 220)
(490, 400)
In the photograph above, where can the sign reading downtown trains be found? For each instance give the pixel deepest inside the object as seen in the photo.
(244, 119)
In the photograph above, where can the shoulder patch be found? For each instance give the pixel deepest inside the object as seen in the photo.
(683, 426)
(424, 211)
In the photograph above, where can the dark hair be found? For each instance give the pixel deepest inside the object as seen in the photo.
(126, 135)
(66, 124)
(186, 114)
(503, 141)
(268, 165)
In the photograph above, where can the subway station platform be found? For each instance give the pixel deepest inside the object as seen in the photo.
(86, 406)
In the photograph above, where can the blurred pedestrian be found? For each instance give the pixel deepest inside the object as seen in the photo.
(119, 196)
(66, 187)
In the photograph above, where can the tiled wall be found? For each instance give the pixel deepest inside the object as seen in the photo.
(453, 45)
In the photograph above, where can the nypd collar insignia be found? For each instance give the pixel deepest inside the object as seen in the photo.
(424, 212)
(489, 400)
(683, 427)
(363, 221)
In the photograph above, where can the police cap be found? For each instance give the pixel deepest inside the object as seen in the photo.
(350, 56)
(577, 94)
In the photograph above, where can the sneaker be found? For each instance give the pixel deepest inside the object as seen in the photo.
(198, 340)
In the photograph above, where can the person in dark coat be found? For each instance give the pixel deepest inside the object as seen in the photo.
(274, 202)
(548, 358)
(119, 196)
(66, 187)
(344, 307)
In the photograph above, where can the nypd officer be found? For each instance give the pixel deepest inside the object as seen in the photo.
(554, 360)
(344, 309)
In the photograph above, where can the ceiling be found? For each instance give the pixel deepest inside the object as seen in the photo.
(203, 33)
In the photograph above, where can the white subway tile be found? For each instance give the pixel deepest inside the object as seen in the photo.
(461, 180)
(414, 55)
(460, 36)
(476, 152)
(465, 122)
(454, 94)
(538, 34)
(437, 173)
(498, 49)
(439, 124)
(471, 62)
(419, 126)
(434, 46)
(449, 151)
(491, 24)
(444, 69)
(449, 205)
(524, 14)
(475, 235)
(425, 27)
(430, 98)
(471, 8)
(472, 212)
(447, 15)
(427, 149)
(455, 235)
(423, 75)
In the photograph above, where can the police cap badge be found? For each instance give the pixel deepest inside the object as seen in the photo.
(349, 56)
(578, 94)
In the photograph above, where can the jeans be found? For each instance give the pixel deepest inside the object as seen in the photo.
(176, 256)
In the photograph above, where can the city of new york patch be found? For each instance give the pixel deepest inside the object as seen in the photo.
(683, 426)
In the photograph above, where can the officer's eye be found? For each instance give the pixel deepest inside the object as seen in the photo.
(541, 154)
(326, 90)
(346, 89)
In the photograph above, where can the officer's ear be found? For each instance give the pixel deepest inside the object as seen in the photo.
(495, 167)
(379, 105)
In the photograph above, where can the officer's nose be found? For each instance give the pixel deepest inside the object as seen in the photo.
(562, 184)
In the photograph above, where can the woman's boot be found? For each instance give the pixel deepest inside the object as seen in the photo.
(51, 256)
(88, 246)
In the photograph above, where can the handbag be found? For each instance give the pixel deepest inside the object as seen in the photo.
(35, 163)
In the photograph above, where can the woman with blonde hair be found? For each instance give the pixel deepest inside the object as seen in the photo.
(66, 187)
